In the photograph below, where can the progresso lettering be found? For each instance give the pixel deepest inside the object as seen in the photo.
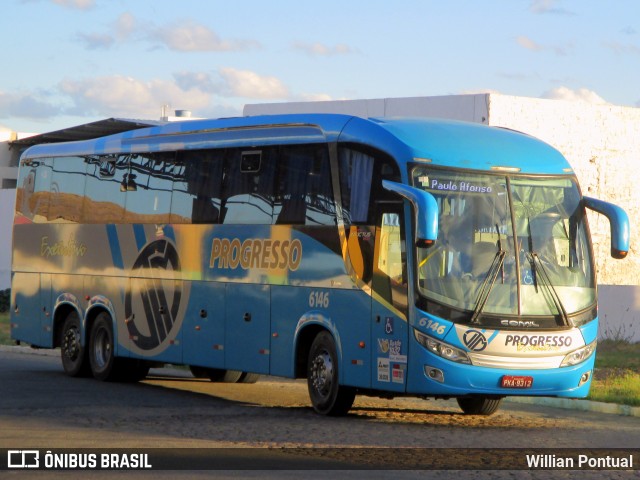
(255, 253)
(548, 342)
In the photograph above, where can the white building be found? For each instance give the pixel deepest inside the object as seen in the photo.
(9, 156)
(602, 142)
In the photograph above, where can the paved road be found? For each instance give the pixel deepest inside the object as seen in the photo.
(42, 408)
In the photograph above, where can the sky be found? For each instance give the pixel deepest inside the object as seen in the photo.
(69, 62)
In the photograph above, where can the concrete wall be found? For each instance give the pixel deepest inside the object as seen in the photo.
(7, 202)
(602, 143)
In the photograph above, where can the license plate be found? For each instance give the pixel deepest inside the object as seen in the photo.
(516, 381)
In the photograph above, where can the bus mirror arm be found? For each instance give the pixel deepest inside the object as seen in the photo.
(619, 221)
(425, 210)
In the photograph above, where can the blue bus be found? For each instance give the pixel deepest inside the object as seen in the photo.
(376, 256)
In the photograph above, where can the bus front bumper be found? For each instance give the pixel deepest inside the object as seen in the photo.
(432, 375)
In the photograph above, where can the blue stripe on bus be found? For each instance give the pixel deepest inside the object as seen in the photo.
(170, 233)
(114, 244)
(141, 238)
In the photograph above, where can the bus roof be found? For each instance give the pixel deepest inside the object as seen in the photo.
(440, 142)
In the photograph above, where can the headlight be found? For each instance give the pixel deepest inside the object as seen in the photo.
(442, 349)
(579, 355)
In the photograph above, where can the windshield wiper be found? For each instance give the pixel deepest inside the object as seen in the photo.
(539, 272)
(490, 280)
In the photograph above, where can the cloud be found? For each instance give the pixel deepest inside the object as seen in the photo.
(123, 96)
(26, 105)
(531, 45)
(182, 36)
(548, 6)
(96, 41)
(189, 36)
(118, 95)
(76, 4)
(124, 26)
(215, 93)
(579, 95)
(121, 30)
(248, 84)
(620, 48)
(321, 50)
(196, 80)
(526, 42)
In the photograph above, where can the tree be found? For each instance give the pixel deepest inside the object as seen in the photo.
(5, 299)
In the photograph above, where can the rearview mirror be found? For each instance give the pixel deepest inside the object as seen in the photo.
(619, 221)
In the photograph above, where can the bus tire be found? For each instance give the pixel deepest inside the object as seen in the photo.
(249, 377)
(101, 350)
(217, 375)
(479, 405)
(224, 376)
(327, 396)
(75, 362)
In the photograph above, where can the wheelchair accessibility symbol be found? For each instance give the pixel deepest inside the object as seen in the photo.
(388, 326)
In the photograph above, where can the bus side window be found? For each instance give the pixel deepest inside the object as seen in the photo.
(104, 200)
(67, 189)
(197, 188)
(356, 169)
(248, 187)
(32, 200)
(148, 186)
(304, 195)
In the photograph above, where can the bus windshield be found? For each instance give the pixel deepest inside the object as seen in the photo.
(508, 245)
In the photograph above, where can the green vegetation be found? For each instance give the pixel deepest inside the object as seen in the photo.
(4, 329)
(617, 375)
(5, 299)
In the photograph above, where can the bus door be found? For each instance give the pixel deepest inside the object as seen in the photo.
(389, 311)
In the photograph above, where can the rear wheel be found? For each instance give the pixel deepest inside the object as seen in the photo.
(328, 397)
(249, 377)
(105, 366)
(74, 360)
(101, 349)
(479, 405)
(224, 376)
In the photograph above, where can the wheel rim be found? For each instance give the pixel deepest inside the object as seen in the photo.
(71, 343)
(322, 374)
(101, 349)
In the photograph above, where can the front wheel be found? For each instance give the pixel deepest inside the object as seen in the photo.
(479, 405)
(328, 397)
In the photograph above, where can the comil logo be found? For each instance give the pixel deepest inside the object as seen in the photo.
(23, 459)
(475, 340)
(155, 286)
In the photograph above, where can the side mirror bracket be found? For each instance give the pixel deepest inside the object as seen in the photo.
(425, 210)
